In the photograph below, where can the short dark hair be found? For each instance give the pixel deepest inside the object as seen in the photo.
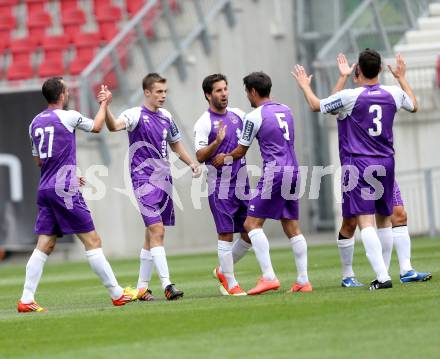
(370, 63)
(209, 81)
(52, 89)
(151, 79)
(258, 81)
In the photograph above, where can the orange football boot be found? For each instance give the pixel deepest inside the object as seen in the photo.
(30, 307)
(263, 285)
(301, 287)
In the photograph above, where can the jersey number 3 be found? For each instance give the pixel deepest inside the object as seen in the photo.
(39, 132)
(377, 110)
(283, 125)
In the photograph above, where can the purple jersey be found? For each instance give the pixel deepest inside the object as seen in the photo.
(272, 124)
(149, 134)
(52, 134)
(368, 113)
(205, 132)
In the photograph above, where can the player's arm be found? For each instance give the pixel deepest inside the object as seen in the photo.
(184, 156)
(345, 71)
(104, 98)
(205, 153)
(304, 82)
(399, 73)
(238, 152)
(111, 122)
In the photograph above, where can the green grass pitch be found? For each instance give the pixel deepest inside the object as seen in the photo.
(331, 322)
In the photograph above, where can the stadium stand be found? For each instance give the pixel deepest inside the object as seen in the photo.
(41, 38)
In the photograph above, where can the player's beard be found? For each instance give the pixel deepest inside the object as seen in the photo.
(218, 105)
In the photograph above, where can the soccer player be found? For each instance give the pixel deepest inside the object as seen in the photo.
(401, 238)
(150, 129)
(61, 207)
(367, 115)
(218, 131)
(272, 124)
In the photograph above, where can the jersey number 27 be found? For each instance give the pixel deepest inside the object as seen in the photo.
(40, 132)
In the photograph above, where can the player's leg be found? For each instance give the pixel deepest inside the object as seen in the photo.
(34, 270)
(156, 232)
(241, 246)
(145, 270)
(373, 251)
(299, 249)
(346, 244)
(260, 244)
(402, 243)
(225, 271)
(385, 234)
(99, 264)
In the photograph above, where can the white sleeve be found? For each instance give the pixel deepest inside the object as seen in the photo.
(34, 148)
(202, 129)
(341, 101)
(238, 112)
(174, 134)
(251, 126)
(73, 120)
(131, 118)
(401, 98)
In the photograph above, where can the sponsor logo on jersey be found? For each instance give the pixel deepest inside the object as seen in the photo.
(334, 105)
(79, 121)
(164, 133)
(216, 124)
(251, 207)
(247, 132)
(146, 119)
(174, 130)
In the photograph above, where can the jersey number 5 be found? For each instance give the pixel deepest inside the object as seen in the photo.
(377, 110)
(39, 132)
(283, 125)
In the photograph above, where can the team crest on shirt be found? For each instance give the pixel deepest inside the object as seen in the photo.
(146, 119)
(234, 120)
(164, 133)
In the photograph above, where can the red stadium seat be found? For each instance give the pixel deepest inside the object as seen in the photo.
(19, 71)
(51, 67)
(68, 5)
(72, 21)
(107, 18)
(86, 45)
(133, 6)
(77, 65)
(6, 6)
(54, 46)
(99, 5)
(35, 6)
(7, 24)
(37, 24)
(22, 49)
(5, 41)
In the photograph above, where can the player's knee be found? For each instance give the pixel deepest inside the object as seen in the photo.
(249, 225)
(399, 217)
(348, 227)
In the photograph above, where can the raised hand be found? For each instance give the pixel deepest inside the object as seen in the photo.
(400, 69)
(221, 132)
(344, 68)
(301, 76)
